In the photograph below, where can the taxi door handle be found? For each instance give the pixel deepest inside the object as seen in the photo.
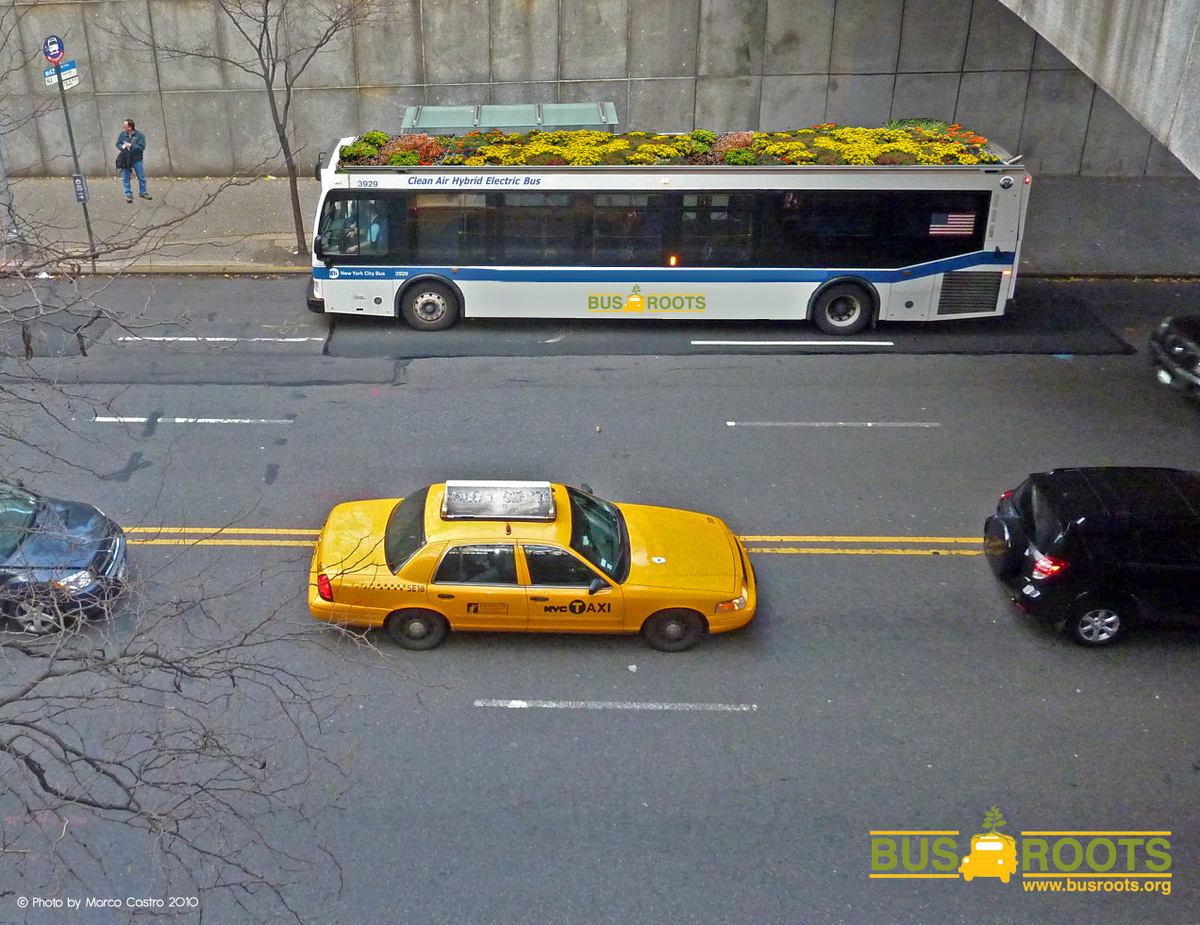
(534, 598)
(446, 597)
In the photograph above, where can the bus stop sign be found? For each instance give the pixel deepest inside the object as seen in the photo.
(53, 49)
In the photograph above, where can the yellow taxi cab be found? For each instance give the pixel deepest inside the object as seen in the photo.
(992, 855)
(528, 556)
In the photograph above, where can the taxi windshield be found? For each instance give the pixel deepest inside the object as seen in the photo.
(405, 532)
(598, 534)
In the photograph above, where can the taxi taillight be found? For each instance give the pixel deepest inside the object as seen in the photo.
(324, 588)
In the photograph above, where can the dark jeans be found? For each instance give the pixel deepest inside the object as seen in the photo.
(141, 175)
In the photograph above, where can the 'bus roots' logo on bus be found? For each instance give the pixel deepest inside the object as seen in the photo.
(1047, 860)
(650, 302)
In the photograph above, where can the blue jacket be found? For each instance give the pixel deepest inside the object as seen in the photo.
(138, 148)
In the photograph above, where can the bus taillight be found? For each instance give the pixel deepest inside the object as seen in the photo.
(672, 260)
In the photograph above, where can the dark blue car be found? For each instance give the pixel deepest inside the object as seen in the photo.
(60, 561)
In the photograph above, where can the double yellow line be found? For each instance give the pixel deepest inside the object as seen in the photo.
(219, 536)
(865, 545)
(815, 545)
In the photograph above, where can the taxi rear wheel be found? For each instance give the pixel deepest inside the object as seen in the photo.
(416, 629)
(674, 630)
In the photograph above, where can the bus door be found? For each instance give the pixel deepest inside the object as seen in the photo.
(354, 240)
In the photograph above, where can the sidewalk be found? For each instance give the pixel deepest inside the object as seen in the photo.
(1077, 226)
(246, 228)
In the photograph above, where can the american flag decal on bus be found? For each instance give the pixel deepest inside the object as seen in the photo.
(960, 223)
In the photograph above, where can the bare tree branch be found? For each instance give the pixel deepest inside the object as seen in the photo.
(279, 40)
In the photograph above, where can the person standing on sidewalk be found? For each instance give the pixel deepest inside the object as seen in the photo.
(134, 142)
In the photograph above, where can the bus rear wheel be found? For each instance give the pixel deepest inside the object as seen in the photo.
(430, 306)
(843, 308)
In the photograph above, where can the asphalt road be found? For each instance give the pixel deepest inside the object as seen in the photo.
(200, 329)
(874, 692)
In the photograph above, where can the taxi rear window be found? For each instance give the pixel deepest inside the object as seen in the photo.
(405, 532)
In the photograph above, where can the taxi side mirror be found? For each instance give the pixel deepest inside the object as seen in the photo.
(598, 584)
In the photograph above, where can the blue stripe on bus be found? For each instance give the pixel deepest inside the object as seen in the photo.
(671, 274)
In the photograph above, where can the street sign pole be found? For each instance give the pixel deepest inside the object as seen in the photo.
(53, 49)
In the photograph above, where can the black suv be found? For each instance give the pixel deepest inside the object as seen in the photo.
(1100, 548)
(1175, 351)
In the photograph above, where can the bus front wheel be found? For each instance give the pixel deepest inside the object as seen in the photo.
(430, 307)
(843, 308)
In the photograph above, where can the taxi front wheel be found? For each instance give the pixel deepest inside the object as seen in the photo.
(674, 630)
(416, 629)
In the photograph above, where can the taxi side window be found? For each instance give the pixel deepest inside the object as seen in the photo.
(478, 565)
(556, 567)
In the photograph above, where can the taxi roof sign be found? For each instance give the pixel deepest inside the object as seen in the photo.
(472, 500)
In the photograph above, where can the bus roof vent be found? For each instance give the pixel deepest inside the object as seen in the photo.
(468, 500)
(547, 117)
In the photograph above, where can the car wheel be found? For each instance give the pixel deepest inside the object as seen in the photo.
(417, 629)
(430, 306)
(38, 615)
(674, 630)
(1097, 625)
(844, 308)
(1004, 546)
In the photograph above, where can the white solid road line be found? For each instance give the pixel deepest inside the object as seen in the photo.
(793, 343)
(222, 340)
(146, 420)
(617, 705)
(833, 424)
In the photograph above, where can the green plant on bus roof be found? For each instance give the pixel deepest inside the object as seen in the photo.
(901, 142)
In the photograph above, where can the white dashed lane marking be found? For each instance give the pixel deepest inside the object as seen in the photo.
(618, 705)
(162, 420)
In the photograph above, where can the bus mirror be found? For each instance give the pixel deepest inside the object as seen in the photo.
(319, 249)
(317, 167)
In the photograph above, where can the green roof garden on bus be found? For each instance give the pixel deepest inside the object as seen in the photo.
(901, 142)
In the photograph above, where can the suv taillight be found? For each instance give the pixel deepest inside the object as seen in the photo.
(324, 588)
(1047, 566)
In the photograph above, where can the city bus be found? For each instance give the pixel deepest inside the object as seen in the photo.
(838, 246)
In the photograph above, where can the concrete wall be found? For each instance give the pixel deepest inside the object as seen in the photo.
(667, 64)
(1146, 53)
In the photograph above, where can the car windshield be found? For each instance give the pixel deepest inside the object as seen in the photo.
(598, 534)
(18, 509)
(405, 532)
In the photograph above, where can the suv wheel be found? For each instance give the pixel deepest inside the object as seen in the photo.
(1097, 625)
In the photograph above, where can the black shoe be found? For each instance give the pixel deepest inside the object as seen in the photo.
(129, 199)
(145, 196)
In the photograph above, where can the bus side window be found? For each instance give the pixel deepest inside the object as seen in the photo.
(450, 228)
(715, 229)
(626, 230)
